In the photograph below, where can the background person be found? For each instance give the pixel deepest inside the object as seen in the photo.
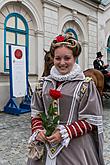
(99, 64)
(79, 134)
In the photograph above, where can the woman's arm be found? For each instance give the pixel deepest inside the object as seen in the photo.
(79, 128)
(38, 132)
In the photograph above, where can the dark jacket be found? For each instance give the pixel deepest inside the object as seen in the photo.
(99, 65)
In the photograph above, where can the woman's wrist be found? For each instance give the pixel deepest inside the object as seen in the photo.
(64, 135)
(34, 135)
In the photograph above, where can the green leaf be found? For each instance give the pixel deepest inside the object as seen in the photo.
(48, 133)
(56, 119)
(55, 109)
(50, 120)
(50, 130)
(50, 111)
(44, 118)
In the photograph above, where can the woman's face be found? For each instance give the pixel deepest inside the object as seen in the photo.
(63, 60)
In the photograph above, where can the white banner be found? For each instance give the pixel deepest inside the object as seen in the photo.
(18, 63)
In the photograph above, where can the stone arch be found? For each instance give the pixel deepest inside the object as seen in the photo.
(107, 37)
(35, 24)
(37, 19)
(77, 22)
(107, 52)
(68, 21)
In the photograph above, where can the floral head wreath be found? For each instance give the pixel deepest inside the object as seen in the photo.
(68, 41)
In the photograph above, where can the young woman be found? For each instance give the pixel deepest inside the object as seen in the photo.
(78, 136)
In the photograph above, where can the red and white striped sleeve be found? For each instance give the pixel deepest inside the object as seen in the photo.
(36, 124)
(79, 128)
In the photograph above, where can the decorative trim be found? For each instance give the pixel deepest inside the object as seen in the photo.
(33, 137)
(64, 135)
(92, 119)
(52, 2)
(93, 19)
(85, 43)
(75, 95)
(34, 112)
(39, 33)
(67, 77)
(91, 3)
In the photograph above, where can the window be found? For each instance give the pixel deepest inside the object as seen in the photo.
(75, 36)
(15, 33)
(72, 31)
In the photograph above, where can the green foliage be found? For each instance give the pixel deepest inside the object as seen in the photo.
(50, 120)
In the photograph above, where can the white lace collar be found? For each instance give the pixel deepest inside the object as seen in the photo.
(76, 73)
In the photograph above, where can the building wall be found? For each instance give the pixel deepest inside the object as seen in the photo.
(106, 31)
(46, 19)
(32, 12)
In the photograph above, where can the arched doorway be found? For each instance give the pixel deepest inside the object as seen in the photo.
(73, 27)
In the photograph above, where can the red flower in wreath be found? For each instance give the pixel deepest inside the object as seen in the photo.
(60, 38)
(55, 94)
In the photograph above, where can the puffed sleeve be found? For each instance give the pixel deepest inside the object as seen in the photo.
(37, 108)
(90, 108)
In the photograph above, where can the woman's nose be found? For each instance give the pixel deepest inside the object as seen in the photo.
(62, 61)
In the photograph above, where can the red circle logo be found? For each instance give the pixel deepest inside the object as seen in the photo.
(18, 54)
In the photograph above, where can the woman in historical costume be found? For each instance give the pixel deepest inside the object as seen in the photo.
(78, 136)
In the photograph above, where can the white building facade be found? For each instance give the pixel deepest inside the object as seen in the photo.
(34, 23)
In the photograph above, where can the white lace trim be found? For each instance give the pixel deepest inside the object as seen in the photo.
(33, 137)
(64, 135)
(76, 70)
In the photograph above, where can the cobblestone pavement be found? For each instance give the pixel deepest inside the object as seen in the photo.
(15, 131)
(107, 131)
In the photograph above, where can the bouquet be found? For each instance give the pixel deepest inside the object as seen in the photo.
(50, 121)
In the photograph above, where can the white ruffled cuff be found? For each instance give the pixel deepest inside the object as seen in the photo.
(64, 135)
(33, 136)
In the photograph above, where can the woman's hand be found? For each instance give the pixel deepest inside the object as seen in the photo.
(55, 137)
(41, 136)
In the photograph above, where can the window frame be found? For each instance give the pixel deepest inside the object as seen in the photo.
(108, 50)
(16, 31)
(75, 34)
(72, 31)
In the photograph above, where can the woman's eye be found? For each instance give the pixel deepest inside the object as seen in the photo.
(57, 58)
(67, 58)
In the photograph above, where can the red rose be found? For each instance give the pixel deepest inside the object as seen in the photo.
(55, 94)
(60, 38)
